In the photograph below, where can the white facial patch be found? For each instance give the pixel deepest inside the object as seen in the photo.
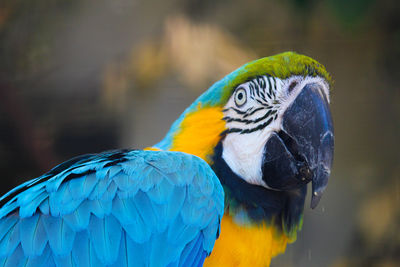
(251, 121)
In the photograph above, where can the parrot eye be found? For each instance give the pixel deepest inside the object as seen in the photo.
(240, 97)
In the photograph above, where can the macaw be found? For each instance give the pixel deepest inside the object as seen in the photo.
(225, 187)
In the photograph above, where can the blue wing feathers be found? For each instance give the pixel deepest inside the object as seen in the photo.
(195, 245)
(131, 208)
(33, 235)
(176, 202)
(41, 260)
(6, 224)
(125, 183)
(137, 253)
(162, 193)
(63, 260)
(105, 234)
(10, 240)
(14, 260)
(199, 258)
(79, 219)
(180, 232)
(140, 232)
(60, 235)
(145, 209)
(8, 208)
(29, 207)
(81, 249)
(99, 189)
(211, 233)
(109, 194)
(125, 211)
(122, 258)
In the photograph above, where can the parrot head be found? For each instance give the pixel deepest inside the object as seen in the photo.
(279, 132)
(266, 129)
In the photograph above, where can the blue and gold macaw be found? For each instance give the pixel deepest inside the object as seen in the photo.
(235, 165)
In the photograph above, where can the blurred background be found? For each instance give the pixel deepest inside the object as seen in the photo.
(91, 75)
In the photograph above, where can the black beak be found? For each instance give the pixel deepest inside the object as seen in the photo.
(303, 150)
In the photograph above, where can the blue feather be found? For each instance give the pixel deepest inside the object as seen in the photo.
(105, 237)
(45, 207)
(176, 202)
(16, 258)
(191, 213)
(150, 178)
(56, 200)
(109, 194)
(199, 258)
(100, 208)
(100, 188)
(181, 233)
(60, 235)
(10, 241)
(81, 249)
(79, 219)
(101, 174)
(180, 178)
(190, 250)
(29, 208)
(125, 183)
(114, 170)
(162, 193)
(76, 187)
(41, 260)
(139, 232)
(33, 235)
(137, 253)
(6, 224)
(210, 234)
(145, 209)
(122, 259)
(29, 194)
(63, 260)
(161, 254)
(7, 208)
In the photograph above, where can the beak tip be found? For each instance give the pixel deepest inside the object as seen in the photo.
(315, 198)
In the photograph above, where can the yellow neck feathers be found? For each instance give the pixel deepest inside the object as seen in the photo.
(200, 132)
(242, 246)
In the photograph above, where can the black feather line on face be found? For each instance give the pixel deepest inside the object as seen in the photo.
(252, 112)
(238, 111)
(269, 86)
(246, 131)
(229, 119)
(262, 103)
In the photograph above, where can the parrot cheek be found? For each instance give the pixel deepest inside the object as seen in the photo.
(302, 151)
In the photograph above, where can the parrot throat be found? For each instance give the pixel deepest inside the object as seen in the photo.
(251, 204)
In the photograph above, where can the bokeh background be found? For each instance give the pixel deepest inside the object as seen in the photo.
(91, 75)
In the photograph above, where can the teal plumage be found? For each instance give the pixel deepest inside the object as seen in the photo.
(121, 208)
